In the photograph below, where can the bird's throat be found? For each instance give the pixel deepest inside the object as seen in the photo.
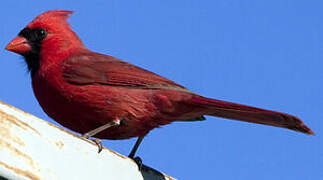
(32, 60)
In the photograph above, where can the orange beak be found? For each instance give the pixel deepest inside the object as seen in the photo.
(19, 45)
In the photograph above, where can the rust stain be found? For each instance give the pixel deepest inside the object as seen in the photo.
(18, 141)
(168, 177)
(59, 144)
(7, 120)
(61, 129)
(33, 117)
(19, 110)
(117, 154)
(4, 116)
(5, 132)
(20, 172)
(19, 153)
(14, 120)
(23, 125)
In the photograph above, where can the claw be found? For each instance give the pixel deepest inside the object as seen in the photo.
(98, 130)
(98, 142)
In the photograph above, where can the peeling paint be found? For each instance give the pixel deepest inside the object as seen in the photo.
(16, 121)
(20, 172)
(33, 148)
(18, 153)
(59, 144)
(168, 177)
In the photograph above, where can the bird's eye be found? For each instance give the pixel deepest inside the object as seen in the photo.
(40, 34)
(33, 35)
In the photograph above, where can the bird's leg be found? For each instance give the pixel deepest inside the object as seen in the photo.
(135, 147)
(134, 150)
(98, 130)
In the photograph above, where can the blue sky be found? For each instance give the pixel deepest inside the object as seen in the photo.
(261, 53)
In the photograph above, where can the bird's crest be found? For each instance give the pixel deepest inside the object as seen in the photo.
(51, 18)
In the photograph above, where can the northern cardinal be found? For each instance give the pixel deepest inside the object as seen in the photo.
(104, 97)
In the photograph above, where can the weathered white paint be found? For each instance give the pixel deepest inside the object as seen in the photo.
(31, 148)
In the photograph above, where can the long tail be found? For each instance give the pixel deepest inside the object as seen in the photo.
(251, 114)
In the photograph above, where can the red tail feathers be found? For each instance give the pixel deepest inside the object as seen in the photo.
(251, 114)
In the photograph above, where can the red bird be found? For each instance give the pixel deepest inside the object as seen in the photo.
(104, 97)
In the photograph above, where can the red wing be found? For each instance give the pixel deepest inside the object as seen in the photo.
(93, 68)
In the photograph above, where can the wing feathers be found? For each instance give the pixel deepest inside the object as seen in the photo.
(93, 68)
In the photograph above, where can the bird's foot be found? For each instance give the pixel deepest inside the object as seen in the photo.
(97, 141)
(138, 161)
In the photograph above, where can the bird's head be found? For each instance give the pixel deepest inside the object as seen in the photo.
(47, 38)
